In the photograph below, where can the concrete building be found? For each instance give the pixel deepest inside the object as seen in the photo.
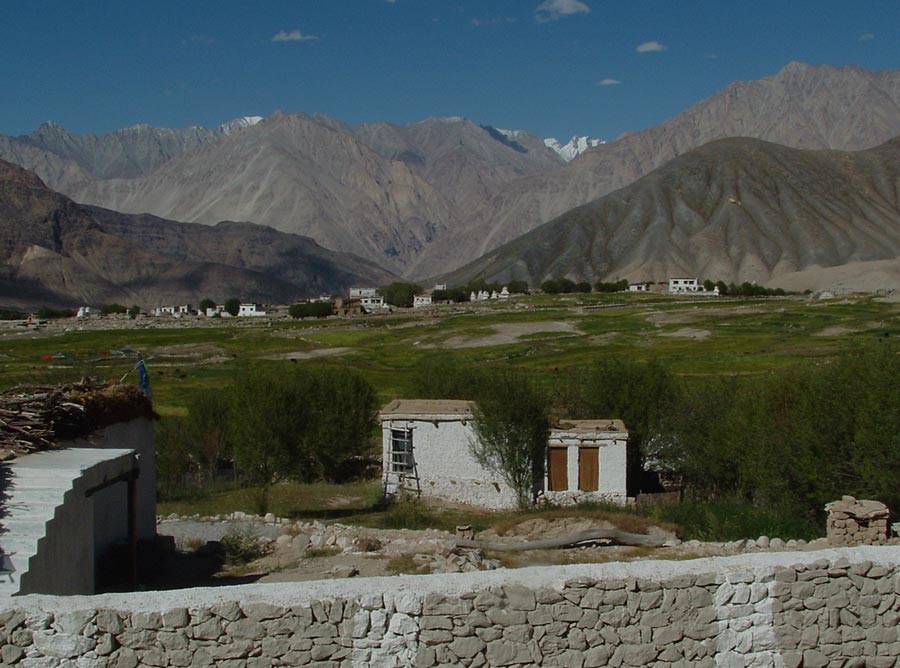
(426, 451)
(65, 509)
(420, 301)
(83, 312)
(639, 287)
(164, 310)
(359, 293)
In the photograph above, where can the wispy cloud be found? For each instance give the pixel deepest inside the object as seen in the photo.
(608, 82)
(867, 37)
(554, 10)
(292, 36)
(651, 46)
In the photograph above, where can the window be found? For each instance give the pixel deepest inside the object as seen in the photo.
(401, 450)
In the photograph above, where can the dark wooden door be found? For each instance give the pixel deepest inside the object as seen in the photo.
(557, 473)
(588, 469)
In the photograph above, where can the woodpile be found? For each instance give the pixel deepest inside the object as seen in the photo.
(38, 418)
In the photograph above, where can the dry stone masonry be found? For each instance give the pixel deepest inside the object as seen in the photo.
(857, 522)
(837, 607)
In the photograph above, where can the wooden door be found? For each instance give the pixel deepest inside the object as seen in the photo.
(557, 469)
(588, 469)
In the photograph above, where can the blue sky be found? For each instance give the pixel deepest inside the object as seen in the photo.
(553, 67)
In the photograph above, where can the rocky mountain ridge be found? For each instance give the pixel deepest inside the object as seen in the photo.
(427, 197)
(734, 210)
(55, 252)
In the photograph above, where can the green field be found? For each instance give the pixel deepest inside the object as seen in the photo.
(545, 335)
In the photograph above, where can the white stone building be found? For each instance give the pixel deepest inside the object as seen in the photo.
(426, 451)
(421, 300)
(372, 303)
(639, 287)
(164, 310)
(83, 312)
(586, 461)
(250, 310)
(680, 285)
(360, 293)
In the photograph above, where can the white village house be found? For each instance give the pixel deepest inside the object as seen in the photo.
(426, 451)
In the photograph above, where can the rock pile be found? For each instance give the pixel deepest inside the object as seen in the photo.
(857, 522)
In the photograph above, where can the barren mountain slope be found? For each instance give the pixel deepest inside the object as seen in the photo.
(734, 209)
(803, 106)
(297, 176)
(56, 252)
(464, 161)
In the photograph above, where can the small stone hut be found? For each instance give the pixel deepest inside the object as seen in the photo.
(426, 451)
(854, 521)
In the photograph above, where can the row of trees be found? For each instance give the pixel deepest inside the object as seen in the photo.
(745, 289)
(305, 424)
(565, 285)
(787, 441)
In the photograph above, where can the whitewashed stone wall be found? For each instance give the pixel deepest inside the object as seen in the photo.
(445, 465)
(836, 607)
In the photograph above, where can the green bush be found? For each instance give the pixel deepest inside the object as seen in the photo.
(242, 544)
(311, 310)
(400, 294)
(46, 313)
(109, 309)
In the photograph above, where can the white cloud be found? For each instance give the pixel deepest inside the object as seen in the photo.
(292, 36)
(553, 10)
(867, 37)
(651, 46)
(608, 82)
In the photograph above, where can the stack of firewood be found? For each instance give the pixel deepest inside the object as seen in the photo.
(31, 418)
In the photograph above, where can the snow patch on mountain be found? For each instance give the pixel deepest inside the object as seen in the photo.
(575, 147)
(239, 124)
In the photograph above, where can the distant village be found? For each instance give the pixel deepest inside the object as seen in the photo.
(372, 300)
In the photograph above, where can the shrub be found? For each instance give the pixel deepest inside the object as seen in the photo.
(242, 544)
(400, 294)
(109, 309)
(232, 306)
(311, 310)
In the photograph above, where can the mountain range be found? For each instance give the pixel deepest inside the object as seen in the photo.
(56, 252)
(735, 210)
(426, 198)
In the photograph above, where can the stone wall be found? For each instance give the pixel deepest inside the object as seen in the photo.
(837, 607)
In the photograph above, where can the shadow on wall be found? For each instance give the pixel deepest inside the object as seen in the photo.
(6, 483)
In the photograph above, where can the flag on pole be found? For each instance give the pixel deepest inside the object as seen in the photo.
(143, 377)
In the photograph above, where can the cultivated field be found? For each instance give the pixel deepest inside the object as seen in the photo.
(546, 335)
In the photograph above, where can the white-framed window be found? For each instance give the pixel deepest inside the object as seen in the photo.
(402, 450)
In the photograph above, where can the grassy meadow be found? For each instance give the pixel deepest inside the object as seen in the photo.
(543, 335)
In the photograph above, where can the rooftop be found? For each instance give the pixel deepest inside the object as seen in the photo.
(39, 418)
(429, 407)
(591, 426)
